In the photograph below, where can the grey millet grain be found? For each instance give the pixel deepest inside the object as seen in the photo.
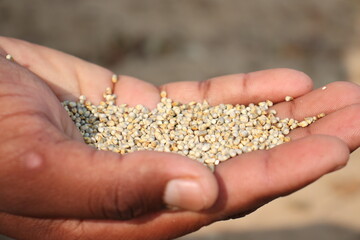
(208, 134)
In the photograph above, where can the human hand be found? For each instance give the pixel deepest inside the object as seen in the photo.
(55, 187)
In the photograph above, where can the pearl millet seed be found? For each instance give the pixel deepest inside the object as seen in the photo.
(208, 134)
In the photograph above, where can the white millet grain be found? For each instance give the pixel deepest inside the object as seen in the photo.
(208, 134)
(288, 98)
(10, 58)
(114, 78)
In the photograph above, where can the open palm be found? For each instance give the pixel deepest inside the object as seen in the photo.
(53, 186)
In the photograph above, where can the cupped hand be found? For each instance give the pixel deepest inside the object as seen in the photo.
(53, 186)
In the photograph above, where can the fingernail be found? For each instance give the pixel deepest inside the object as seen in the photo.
(184, 194)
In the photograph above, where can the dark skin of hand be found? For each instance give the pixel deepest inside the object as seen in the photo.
(53, 186)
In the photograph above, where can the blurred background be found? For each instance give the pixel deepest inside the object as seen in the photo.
(168, 40)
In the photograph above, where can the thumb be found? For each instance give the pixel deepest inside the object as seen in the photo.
(72, 180)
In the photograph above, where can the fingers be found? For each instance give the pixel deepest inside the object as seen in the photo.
(68, 76)
(163, 227)
(337, 95)
(272, 85)
(247, 182)
(24, 228)
(344, 124)
(250, 180)
(70, 179)
(340, 101)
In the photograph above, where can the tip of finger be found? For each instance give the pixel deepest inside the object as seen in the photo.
(296, 76)
(331, 150)
(296, 83)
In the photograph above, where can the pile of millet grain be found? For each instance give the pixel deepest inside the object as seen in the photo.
(208, 134)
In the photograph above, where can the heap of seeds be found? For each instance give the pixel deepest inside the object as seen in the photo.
(208, 134)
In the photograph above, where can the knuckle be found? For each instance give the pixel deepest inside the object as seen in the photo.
(300, 74)
(134, 193)
(124, 203)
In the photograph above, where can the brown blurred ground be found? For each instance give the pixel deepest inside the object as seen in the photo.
(168, 40)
